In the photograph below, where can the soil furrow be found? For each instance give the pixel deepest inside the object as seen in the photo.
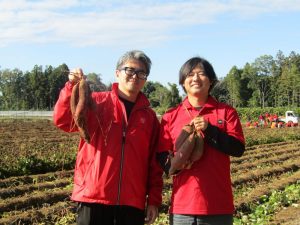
(272, 160)
(38, 215)
(38, 178)
(27, 188)
(242, 203)
(256, 175)
(37, 199)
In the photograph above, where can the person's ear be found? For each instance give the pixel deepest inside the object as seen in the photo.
(117, 73)
(183, 86)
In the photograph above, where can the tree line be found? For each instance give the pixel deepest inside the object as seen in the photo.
(267, 82)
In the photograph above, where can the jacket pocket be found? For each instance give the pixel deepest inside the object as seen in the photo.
(81, 173)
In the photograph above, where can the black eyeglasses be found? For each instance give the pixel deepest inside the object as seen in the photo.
(141, 74)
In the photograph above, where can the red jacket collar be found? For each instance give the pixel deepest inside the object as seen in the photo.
(141, 101)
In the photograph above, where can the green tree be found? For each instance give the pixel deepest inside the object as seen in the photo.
(47, 97)
(264, 67)
(289, 86)
(148, 88)
(233, 83)
(246, 91)
(174, 93)
(161, 98)
(294, 59)
(11, 87)
(158, 94)
(38, 87)
(95, 82)
(280, 61)
(220, 91)
(28, 93)
(57, 79)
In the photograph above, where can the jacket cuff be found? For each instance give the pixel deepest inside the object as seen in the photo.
(211, 131)
(156, 201)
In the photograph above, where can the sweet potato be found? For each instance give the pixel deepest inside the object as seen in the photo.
(188, 149)
(186, 131)
(198, 148)
(80, 101)
(74, 98)
(184, 146)
(197, 151)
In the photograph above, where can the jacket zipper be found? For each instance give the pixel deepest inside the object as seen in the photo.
(121, 163)
(122, 158)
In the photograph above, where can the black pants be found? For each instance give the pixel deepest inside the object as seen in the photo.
(99, 214)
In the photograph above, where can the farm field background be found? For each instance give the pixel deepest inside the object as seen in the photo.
(36, 174)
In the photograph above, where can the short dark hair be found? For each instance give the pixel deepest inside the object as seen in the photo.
(135, 54)
(190, 64)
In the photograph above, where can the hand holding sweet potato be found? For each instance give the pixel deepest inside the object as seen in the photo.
(188, 149)
(80, 101)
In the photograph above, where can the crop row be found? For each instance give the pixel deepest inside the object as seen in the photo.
(242, 203)
(45, 214)
(46, 197)
(34, 179)
(261, 162)
(257, 175)
(266, 151)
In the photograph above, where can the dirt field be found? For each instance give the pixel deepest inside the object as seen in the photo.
(32, 146)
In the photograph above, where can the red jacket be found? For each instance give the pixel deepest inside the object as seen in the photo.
(205, 189)
(118, 167)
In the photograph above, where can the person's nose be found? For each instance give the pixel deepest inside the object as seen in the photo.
(134, 75)
(196, 76)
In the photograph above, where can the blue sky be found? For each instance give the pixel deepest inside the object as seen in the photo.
(93, 34)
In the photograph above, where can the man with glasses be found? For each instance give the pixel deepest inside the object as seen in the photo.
(117, 179)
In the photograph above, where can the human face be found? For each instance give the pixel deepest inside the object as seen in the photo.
(197, 83)
(131, 84)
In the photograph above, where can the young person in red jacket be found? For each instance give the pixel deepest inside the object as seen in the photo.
(116, 174)
(202, 193)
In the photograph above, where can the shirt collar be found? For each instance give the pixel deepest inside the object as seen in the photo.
(141, 100)
(210, 103)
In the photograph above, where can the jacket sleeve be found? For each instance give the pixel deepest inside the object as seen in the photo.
(231, 141)
(165, 145)
(155, 181)
(62, 116)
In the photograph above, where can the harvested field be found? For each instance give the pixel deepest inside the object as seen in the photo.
(36, 174)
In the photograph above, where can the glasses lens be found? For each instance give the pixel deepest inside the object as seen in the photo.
(142, 75)
(129, 71)
(139, 73)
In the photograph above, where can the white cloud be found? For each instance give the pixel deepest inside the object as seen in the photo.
(251, 8)
(83, 23)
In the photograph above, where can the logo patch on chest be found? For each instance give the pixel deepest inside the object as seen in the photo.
(220, 121)
(142, 120)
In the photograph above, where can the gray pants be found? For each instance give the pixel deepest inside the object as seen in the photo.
(178, 219)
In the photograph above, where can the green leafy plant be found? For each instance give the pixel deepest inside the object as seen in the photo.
(264, 209)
